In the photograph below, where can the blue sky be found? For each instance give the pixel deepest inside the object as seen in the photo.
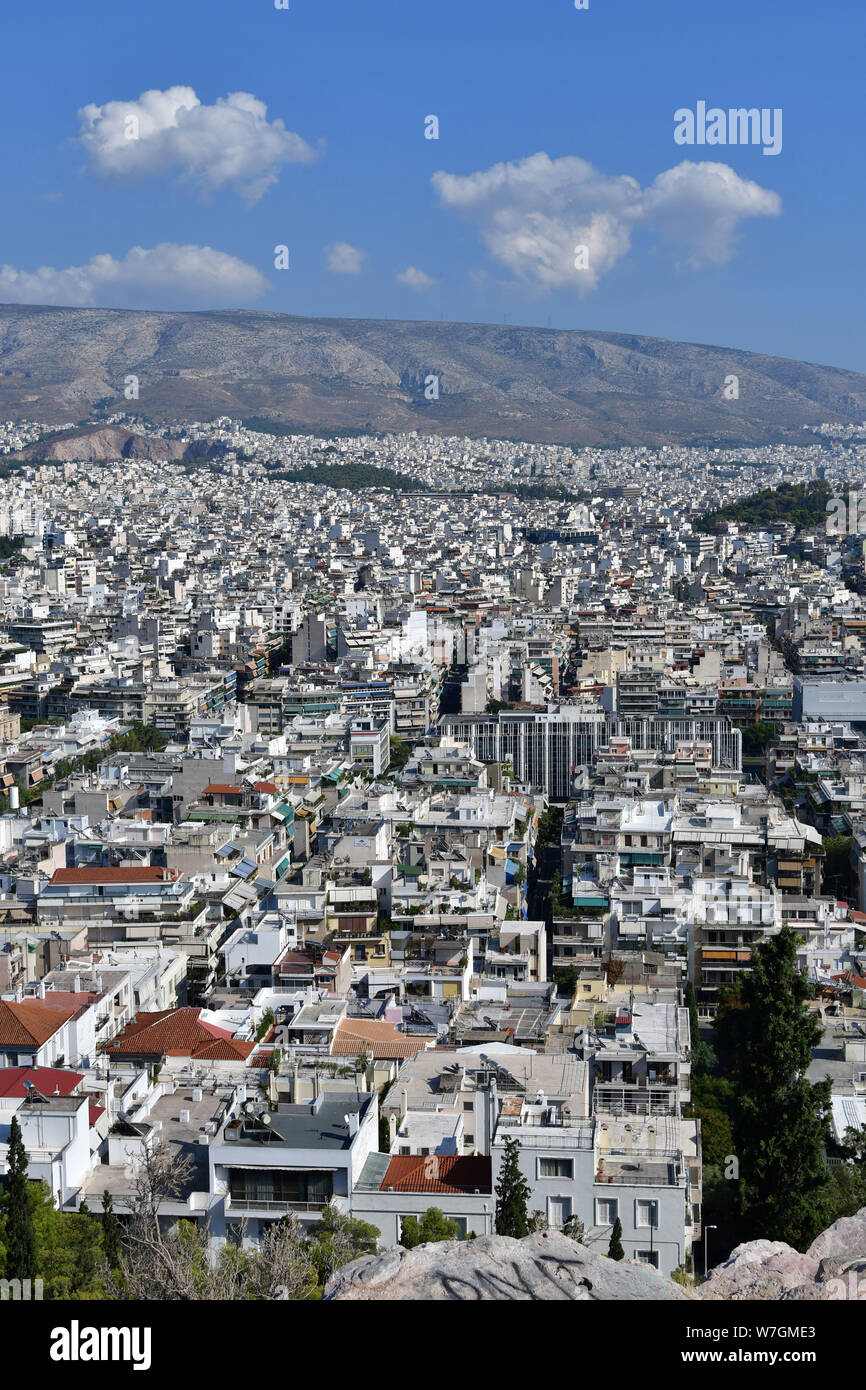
(556, 127)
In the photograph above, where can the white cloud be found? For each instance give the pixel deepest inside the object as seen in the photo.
(534, 215)
(701, 205)
(231, 144)
(416, 279)
(344, 259)
(167, 276)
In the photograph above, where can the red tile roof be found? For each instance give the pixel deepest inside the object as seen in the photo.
(151, 873)
(48, 1080)
(265, 787)
(177, 1033)
(31, 1023)
(222, 789)
(356, 1035)
(455, 1173)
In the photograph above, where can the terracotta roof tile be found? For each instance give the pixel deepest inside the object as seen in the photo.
(381, 1038)
(31, 1023)
(455, 1173)
(176, 1033)
(151, 873)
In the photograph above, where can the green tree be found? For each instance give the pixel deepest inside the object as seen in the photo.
(692, 1006)
(780, 1118)
(704, 1059)
(614, 1249)
(433, 1227)
(757, 738)
(512, 1194)
(19, 1237)
(837, 873)
(400, 753)
(111, 1241)
(336, 1240)
(566, 977)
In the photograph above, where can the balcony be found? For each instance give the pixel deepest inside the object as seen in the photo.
(235, 1204)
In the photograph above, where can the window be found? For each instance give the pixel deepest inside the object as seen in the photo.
(606, 1211)
(257, 1187)
(646, 1214)
(469, 1139)
(558, 1211)
(468, 1105)
(555, 1167)
(648, 1257)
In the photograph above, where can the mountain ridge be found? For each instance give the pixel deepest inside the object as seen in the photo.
(569, 386)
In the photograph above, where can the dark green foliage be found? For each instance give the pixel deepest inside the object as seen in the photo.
(837, 873)
(757, 738)
(566, 977)
(780, 1118)
(704, 1059)
(336, 1240)
(433, 1226)
(614, 1249)
(802, 504)
(692, 1006)
(713, 1102)
(512, 1195)
(19, 1237)
(10, 549)
(111, 1239)
(66, 1250)
(400, 753)
(353, 476)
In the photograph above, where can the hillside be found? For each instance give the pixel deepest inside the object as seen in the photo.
(95, 444)
(578, 387)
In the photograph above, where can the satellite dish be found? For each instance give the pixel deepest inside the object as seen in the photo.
(248, 1108)
(266, 1119)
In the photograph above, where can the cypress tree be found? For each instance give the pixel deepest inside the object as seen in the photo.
(110, 1232)
(20, 1233)
(512, 1195)
(692, 1006)
(780, 1118)
(614, 1249)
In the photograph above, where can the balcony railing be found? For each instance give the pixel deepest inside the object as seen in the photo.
(251, 1204)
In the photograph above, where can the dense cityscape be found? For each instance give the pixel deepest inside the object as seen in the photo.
(391, 826)
(432, 680)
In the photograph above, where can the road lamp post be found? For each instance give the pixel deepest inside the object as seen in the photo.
(707, 1230)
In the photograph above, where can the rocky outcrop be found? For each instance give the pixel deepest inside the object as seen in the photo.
(99, 443)
(834, 1267)
(547, 1266)
(550, 1266)
(760, 1269)
(844, 1240)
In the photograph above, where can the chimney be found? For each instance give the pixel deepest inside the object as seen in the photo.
(353, 1120)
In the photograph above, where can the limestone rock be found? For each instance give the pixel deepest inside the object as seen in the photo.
(760, 1269)
(547, 1266)
(844, 1240)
